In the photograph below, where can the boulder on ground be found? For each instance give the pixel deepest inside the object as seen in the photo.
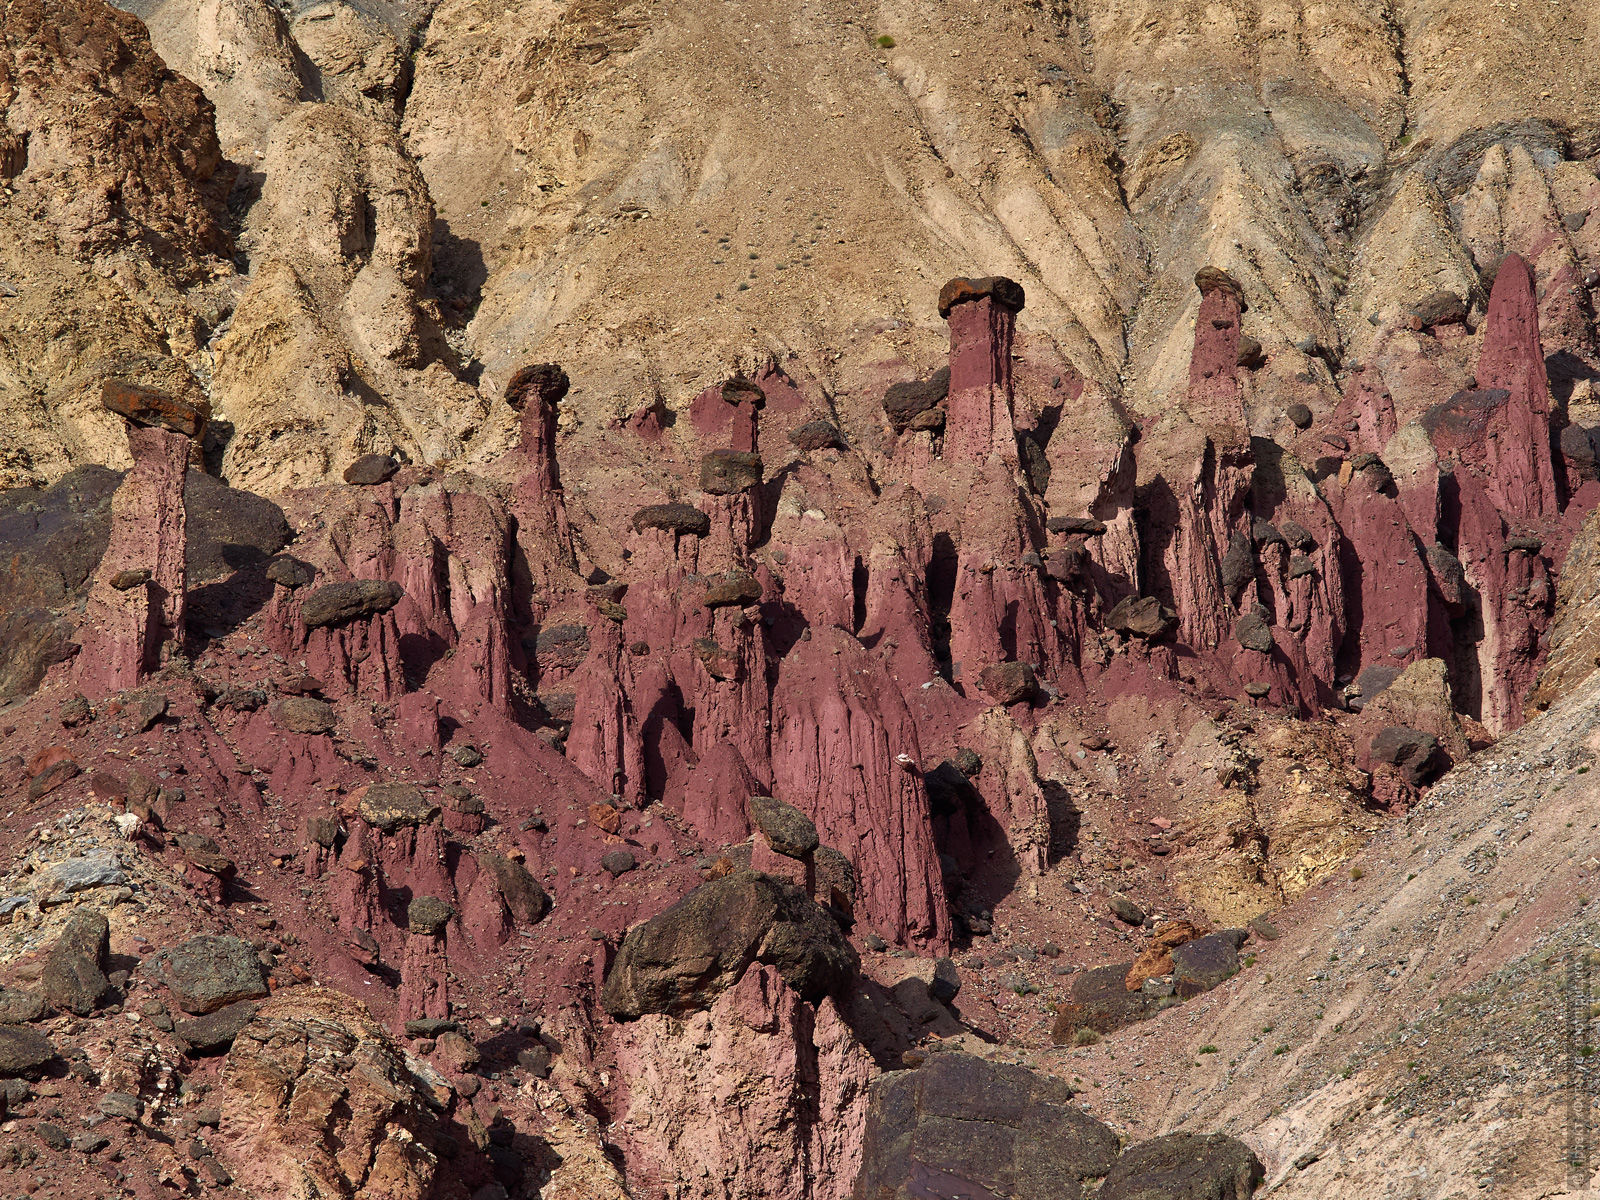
(1009, 682)
(207, 972)
(214, 1032)
(1201, 964)
(1100, 1000)
(74, 972)
(1184, 1166)
(24, 1054)
(371, 469)
(965, 1126)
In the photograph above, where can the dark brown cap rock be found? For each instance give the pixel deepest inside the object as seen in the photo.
(148, 406)
(960, 290)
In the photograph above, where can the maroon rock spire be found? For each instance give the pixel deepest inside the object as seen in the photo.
(1519, 471)
(1214, 365)
(982, 314)
(135, 615)
(537, 500)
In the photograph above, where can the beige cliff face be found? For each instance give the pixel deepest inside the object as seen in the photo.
(659, 195)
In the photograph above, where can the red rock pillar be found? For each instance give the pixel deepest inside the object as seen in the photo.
(423, 979)
(982, 314)
(1520, 473)
(537, 499)
(1214, 365)
(135, 616)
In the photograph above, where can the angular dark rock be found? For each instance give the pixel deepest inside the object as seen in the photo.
(1099, 1000)
(521, 893)
(817, 435)
(371, 469)
(207, 972)
(1009, 682)
(904, 403)
(736, 589)
(1202, 964)
(1415, 753)
(74, 978)
(148, 406)
(389, 806)
(352, 599)
(547, 382)
(214, 1033)
(1080, 526)
(680, 960)
(1126, 910)
(618, 862)
(726, 472)
(1142, 617)
(1253, 633)
(290, 572)
(23, 1053)
(126, 581)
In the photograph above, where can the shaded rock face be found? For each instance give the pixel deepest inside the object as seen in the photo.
(681, 960)
(761, 1094)
(965, 1125)
(1212, 1165)
(318, 1101)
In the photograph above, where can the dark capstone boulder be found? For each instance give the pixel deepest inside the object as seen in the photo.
(150, 406)
(24, 1054)
(817, 435)
(1265, 533)
(904, 403)
(390, 806)
(1141, 617)
(561, 646)
(1449, 579)
(1009, 682)
(725, 472)
(1185, 1166)
(1301, 566)
(1416, 754)
(303, 714)
(1215, 279)
(428, 915)
(74, 977)
(674, 518)
(354, 599)
(208, 972)
(126, 581)
(371, 469)
(1238, 565)
(1297, 535)
(524, 899)
(291, 572)
(1080, 526)
(787, 830)
(679, 960)
(734, 590)
(1202, 964)
(1100, 1000)
(961, 290)
(1253, 633)
(964, 1126)
(214, 1032)
(546, 382)
(946, 985)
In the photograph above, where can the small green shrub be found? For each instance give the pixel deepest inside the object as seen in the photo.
(1085, 1037)
(1208, 1049)
(885, 42)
